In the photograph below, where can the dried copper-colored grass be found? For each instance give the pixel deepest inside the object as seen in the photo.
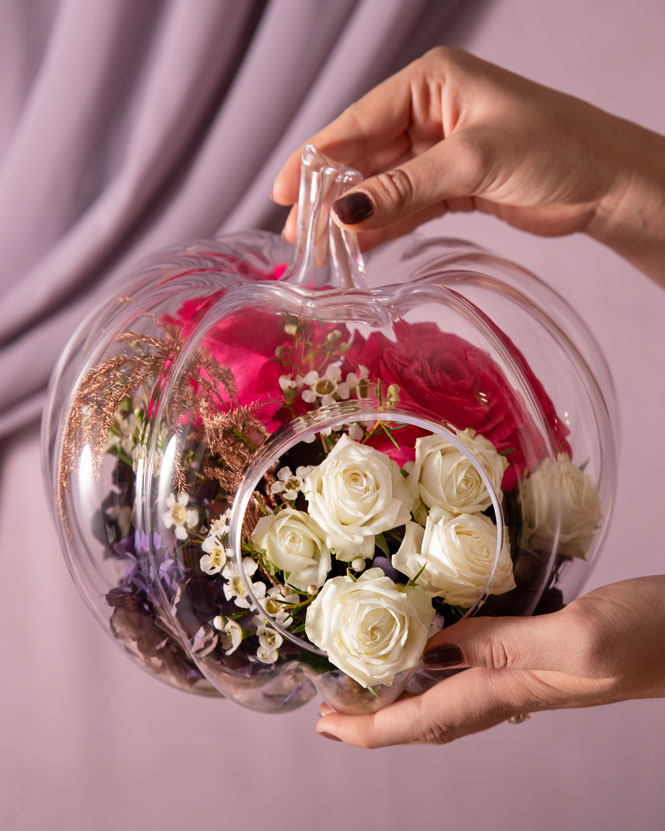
(101, 393)
(232, 437)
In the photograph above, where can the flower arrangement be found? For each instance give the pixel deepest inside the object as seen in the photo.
(361, 539)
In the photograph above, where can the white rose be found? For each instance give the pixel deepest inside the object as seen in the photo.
(354, 494)
(371, 628)
(580, 506)
(457, 553)
(293, 542)
(443, 476)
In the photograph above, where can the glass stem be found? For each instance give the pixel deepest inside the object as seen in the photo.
(325, 256)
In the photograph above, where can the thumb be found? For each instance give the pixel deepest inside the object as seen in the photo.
(455, 167)
(560, 642)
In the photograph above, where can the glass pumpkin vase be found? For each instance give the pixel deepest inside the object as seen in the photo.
(275, 473)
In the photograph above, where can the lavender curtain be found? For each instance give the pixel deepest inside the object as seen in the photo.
(126, 126)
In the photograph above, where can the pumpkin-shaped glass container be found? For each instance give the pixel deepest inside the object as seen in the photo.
(271, 480)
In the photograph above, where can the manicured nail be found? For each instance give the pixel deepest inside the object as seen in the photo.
(353, 208)
(329, 736)
(441, 657)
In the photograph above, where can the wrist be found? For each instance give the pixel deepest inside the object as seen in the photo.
(630, 219)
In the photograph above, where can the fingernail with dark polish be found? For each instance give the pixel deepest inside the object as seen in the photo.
(329, 736)
(353, 208)
(441, 657)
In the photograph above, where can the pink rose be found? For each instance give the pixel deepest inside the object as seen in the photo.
(447, 376)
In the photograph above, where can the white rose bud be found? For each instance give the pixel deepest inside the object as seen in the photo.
(580, 506)
(371, 628)
(457, 553)
(444, 477)
(354, 494)
(293, 542)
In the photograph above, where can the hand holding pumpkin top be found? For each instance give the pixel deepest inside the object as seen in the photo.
(451, 132)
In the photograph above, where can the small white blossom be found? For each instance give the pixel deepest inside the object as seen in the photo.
(179, 516)
(235, 589)
(266, 654)
(323, 388)
(220, 526)
(359, 381)
(355, 432)
(286, 383)
(230, 633)
(277, 602)
(215, 558)
(269, 638)
(288, 484)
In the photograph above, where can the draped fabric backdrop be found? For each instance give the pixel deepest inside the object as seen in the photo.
(127, 125)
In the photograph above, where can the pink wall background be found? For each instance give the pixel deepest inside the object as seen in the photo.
(87, 741)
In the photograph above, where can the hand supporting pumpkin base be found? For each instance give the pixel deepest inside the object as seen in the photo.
(606, 646)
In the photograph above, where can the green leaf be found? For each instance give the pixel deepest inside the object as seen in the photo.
(413, 580)
(381, 543)
(319, 663)
(388, 433)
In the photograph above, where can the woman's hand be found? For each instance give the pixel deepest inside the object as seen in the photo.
(606, 646)
(451, 132)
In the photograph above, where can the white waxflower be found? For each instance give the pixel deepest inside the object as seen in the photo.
(370, 628)
(288, 484)
(214, 560)
(179, 516)
(457, 553)
(277, 603)
(443, 476)
(220, 526)
(230, 633)
(355, 431)
(268, 637)
(294, 543)
(235, 589)
(286, 382)
(359, 381)
(324, 388)
(215, 557)
(267, 654)
(563, 485)
(354, 494)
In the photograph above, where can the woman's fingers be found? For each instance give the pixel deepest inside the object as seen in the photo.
(444, 178)
(372, 130)
(562, 642)
(465, 703)
(377, 236)
(458, 166)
